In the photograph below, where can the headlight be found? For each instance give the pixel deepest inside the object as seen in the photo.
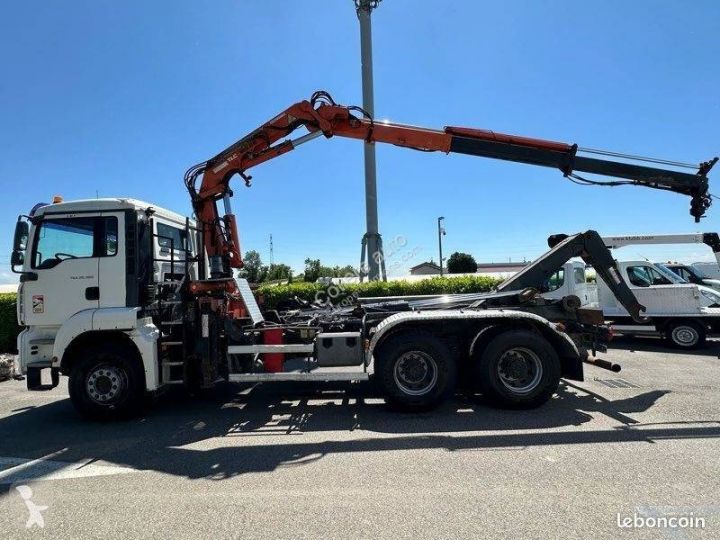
(711, 296)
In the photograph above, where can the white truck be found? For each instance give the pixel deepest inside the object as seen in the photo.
(685, 313)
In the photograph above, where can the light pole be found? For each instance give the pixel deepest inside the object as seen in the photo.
(441, 233)
(371, 242)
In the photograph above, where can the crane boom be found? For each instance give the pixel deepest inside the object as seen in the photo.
(322, 116)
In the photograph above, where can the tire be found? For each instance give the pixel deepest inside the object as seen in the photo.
(415, 371)
(518, 369)
(685, 334)
(106, 382)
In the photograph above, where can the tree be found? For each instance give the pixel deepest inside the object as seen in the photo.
(256, 272)
(276, 272)
(312, 270)
(252, 267)
(346, 271)
(461, 263)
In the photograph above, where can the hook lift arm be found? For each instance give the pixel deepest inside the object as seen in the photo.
(322, 116)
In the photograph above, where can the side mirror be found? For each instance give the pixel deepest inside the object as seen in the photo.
(22, 232)
(17, 258)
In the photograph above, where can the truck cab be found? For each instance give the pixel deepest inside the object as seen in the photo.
(571, 279)
(659, 290)
(86, 268)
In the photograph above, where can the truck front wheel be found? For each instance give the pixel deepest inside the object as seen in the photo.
(518, 369)
(105, 383)
(686, 334)
(415, 371)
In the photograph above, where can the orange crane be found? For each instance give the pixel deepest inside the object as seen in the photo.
(322, 116)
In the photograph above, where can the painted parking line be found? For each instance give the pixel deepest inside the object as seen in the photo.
(13, 470)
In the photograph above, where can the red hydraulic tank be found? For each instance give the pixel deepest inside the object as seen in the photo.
(273, 362)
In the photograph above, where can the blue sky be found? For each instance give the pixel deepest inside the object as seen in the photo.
(122, 97)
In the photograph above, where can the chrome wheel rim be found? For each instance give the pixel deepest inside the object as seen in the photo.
(520, 370)
(415, 373)
(686, 336)
(105, 384)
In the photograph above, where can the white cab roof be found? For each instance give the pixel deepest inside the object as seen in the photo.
(101, 205)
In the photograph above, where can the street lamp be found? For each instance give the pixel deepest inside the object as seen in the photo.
(441, 233)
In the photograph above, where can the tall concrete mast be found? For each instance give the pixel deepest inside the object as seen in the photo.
(372, 251)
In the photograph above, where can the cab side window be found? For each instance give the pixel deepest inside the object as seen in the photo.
(555, 282)
(57, 240)
(645, 276)
(579, 274)
(638, 276)
(171, 236)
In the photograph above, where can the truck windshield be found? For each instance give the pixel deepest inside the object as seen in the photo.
(555, 281)
(57, 240)
(670, 274)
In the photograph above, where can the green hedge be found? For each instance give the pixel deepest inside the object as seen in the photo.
(271, 296)
(9, 328)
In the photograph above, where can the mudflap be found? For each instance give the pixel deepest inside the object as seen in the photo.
(34, 377)
(572, 368)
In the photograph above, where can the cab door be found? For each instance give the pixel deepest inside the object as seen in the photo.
(112, 263)
(655, 291)
(62, 275)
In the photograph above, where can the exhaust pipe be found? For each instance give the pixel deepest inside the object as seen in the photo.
(604, 364)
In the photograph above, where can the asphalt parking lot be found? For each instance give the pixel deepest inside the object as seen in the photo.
(299, 461)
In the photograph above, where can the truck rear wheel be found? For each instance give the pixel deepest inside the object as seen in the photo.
(415, 371)
(105, 383)
(518, 369)
(686, 334)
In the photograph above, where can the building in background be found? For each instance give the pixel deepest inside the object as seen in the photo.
(425, 269)
(430, 268)
(500, 268)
